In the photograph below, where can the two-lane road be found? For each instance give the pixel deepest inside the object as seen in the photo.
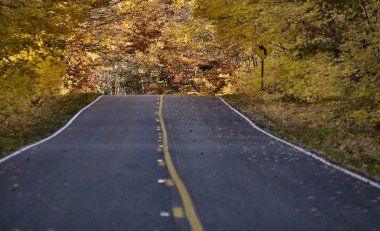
(176, 163)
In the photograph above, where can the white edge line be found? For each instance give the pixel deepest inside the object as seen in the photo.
(326, 162)
(50, 137)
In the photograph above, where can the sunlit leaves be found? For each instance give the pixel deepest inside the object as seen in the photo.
(322, 49)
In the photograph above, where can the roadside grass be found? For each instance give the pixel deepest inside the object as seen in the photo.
(26, 126)
(322, 127)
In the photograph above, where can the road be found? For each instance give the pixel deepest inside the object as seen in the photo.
(176, 163)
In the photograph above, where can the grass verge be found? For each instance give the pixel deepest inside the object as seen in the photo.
(321, 127)
(26, 126)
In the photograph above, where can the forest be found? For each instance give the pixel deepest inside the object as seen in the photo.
(321, 81)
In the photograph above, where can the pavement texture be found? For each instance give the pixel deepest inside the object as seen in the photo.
(102, 173)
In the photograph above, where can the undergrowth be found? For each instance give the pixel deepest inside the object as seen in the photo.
(323, 127)
(23, 127)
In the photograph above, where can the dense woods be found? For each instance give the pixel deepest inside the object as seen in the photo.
(35, 38)
(322, 82)
(322, 74)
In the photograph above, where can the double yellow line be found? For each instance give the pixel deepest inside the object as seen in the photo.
(190, 212)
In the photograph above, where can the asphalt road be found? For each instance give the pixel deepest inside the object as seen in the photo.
(129, 163)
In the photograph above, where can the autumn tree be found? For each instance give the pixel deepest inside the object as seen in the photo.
(321, 49)
(33, 37)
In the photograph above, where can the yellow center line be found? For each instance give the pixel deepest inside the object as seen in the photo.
(169, 182)
(190, 212)
(178, 212)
